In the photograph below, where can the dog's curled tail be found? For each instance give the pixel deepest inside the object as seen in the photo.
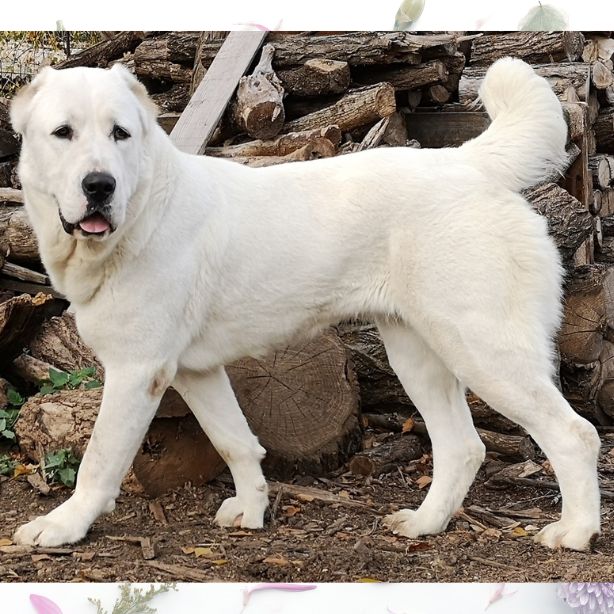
(526, 139)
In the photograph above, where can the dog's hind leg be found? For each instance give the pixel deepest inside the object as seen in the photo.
(458, 452)
(524, 393)
(212, 400)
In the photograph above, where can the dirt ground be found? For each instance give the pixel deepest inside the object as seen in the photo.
(309, 540)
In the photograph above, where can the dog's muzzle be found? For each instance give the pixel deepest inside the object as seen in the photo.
(98, 189)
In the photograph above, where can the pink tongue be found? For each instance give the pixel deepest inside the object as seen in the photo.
(94, 223)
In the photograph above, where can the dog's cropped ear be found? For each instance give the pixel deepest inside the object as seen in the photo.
(150, 109)
(21, 103)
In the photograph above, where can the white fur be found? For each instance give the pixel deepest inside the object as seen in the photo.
(212, 261)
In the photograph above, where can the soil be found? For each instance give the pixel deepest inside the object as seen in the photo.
(173, 537)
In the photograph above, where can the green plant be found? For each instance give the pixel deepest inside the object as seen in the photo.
(61, 467)
(60, 380)
(134, 600)
(7, 465)
(9, 415)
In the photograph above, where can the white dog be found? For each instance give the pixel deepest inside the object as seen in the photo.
(177, 265)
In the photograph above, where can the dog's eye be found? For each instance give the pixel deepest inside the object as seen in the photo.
(119, 134)
(63, 132)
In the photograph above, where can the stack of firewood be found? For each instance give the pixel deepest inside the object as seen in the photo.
(314, 95)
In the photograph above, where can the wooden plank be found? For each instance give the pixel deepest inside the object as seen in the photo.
(206, 107)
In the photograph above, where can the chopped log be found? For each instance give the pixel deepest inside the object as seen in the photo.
(280, 146)
(357, 108)
(258, 108)
(167, 57)
(576, 116)
(405, 77)
(597, 205)
(32, 369)
(386, 457)
(317, 77)
(438, 95)
(601, 76)
(607, 203)
(318, 148)
(356, 48)
(173, 100)
(604, 130)
(598, 48)
(580, 383)
(584, 319)
(10, 196)
(602, 169)
(375, 136)
(516, 447)
(103, 52)
(569, 223)
(19, 318)
(395, 134)
(16, 271)
(561, 77)
(533, 47)
(17, 239)
(303, 405)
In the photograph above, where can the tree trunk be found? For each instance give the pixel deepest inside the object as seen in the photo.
(532, 47)
(604, 130)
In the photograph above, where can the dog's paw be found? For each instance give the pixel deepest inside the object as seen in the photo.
(49, 532)
(565, 535)
(235, 513)
(413, 524)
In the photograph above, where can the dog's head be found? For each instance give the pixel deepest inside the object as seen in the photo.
(83, 131)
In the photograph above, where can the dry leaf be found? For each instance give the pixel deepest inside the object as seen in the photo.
(408, 425)
(290, 510)
(5, 541)
(424, 481)
(219, 562)
(40, 557)
(305, 498)
(519, 532)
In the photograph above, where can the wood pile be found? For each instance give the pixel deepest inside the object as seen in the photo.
(314, 95)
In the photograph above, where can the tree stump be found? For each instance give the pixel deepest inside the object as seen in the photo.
(302, 402)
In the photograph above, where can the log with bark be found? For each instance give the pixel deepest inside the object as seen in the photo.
(355, 48)
(316, 77)
(569, 222)
(103, 52)
(604, 130)
(563, 78)
(357, 108)
(314, 150)
(532, 47)
(258, 107)
(404, 77)
(602, 169)
(387, 457)
(280, 146)
(169, 56)
(19, 319)
(17, 239)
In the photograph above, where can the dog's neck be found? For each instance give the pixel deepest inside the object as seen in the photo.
(79, 268)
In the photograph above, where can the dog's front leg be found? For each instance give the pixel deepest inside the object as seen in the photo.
(213, 402)
(130, 399)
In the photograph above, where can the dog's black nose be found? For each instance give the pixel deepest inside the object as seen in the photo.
(98, 187)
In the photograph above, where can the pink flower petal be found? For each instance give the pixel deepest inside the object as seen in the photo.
(273, 586)
(42, 605)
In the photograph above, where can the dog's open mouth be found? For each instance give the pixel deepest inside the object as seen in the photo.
(95, 224)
